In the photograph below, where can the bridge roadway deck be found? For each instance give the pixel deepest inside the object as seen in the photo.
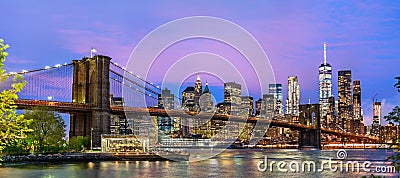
(70, 107)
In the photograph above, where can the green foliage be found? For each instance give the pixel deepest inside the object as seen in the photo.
(13, 126)
(21, 147)
(394, 116)
(48, 131)
(78, 143)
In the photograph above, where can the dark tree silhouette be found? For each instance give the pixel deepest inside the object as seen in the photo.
(394, 116)
(397, 85)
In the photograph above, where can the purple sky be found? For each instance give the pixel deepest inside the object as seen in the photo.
(361, 36)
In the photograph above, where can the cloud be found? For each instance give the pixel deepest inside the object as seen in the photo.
(387, 106)
(12, 59)
(110, 42)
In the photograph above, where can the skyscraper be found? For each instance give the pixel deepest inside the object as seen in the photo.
(268, 106)
(357, 112)
(247, 106)
(293, 97)
(276, 91)
(232, 94)
(331, 117)
(165, 124)
(376, 123)
(325, 89)
(198, 90)
(204, 127)
(206, 104)
(188, 99)
(345, 98)
(258, 106)
(166, 99)
(377, 112)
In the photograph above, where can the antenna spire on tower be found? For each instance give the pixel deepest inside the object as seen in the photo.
(324, 53)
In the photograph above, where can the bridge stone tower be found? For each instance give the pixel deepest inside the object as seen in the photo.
(91, 86)
(309, 115)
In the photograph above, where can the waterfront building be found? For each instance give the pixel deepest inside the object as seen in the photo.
(389, 133)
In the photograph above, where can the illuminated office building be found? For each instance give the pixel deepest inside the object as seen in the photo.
(357, 111)
(376, 122)
(198, 90)
(232, 97)
(345, 99)
(325, 89)
(293, 97)
(276, 91)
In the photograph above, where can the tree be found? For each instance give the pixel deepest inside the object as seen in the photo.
(78, 143)
(48, 130)
(394, 116)
(13, 126)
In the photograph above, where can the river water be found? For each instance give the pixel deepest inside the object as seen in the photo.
(230, 163)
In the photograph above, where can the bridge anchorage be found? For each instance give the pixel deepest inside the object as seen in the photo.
(90, 90)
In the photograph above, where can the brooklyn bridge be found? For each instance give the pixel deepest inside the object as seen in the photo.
(84, 89)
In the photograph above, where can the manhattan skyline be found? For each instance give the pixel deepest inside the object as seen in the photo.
(361, 37)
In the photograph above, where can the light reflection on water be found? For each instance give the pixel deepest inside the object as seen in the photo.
(231, 163)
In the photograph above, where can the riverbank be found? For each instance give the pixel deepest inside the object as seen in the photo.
(83, 157)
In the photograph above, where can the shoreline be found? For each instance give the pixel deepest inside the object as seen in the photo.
(81, 157)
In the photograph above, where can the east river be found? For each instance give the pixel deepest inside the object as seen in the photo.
(248, 163)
